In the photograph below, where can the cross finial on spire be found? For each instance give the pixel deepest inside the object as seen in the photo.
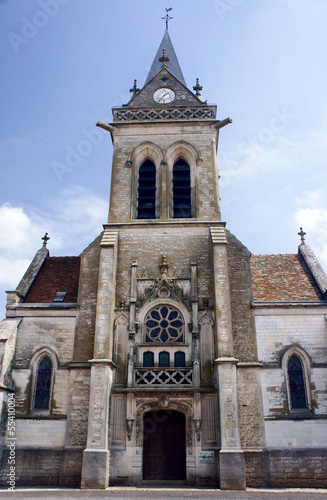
(301, 234)
(45, 239)
(167, 17)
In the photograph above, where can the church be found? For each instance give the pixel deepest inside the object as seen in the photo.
(166, 351)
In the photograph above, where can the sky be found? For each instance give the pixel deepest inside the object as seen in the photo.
(66, 63)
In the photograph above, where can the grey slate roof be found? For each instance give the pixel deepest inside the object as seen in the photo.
(172, 65)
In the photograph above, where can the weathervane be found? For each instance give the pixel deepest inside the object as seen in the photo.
(167, 17)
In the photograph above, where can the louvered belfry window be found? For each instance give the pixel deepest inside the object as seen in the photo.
(182, 206)
(296, 383)
(146, 201)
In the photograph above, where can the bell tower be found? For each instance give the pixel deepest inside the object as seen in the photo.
(165, 143)
(163, 337)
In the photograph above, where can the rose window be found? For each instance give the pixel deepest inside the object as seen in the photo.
(164, 324)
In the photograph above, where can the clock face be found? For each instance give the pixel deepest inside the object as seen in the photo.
(164, 96)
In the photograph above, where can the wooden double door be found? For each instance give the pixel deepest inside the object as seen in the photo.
(164, 446)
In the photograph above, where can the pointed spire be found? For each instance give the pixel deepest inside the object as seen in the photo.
(172, 65)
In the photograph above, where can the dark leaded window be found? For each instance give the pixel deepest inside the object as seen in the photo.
(43, 384)
(164, 324)
(179, 359)
(296, 383)
(182, 189)
(146, 202)
(148, 359)
(164, 361)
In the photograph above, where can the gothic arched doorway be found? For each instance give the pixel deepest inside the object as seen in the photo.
(164, 445)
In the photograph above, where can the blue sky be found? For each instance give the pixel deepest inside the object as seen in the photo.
(65, 63)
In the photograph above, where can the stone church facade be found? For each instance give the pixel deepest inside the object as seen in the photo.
(166, 351)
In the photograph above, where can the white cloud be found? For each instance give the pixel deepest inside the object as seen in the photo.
(12, 270)
(72, 221)
(310, 198)
(253, 157)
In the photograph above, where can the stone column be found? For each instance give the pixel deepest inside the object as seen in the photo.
(164, 211)
(133, 298)
(231, 457)
(95, 472)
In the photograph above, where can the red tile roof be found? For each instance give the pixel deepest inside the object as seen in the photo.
(280, 278)
(57, 274)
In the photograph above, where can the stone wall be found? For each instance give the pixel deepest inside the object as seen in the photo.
(34, 467)
(298, 468)
(148, 243)
(278, 330)
(244, 337)
(87, 300)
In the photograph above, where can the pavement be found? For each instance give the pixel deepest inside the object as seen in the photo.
(158, 493)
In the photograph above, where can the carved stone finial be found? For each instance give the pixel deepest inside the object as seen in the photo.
(164, 59)
(134, 90)
(45, 239)
(164, 266)
(197, 87)
(301, 234)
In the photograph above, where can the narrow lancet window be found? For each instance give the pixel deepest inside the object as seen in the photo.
(182, 206)
(43, 384)
(146, 202)
(296, 383)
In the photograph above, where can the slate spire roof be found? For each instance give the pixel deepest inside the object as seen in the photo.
(172, 65)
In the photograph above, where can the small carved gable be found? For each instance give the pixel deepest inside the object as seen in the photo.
(164, 291)
(164, 79)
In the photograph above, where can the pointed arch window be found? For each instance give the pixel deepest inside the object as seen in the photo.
(182, 206)
(297, 386)
(146, 199)
(43, 384)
